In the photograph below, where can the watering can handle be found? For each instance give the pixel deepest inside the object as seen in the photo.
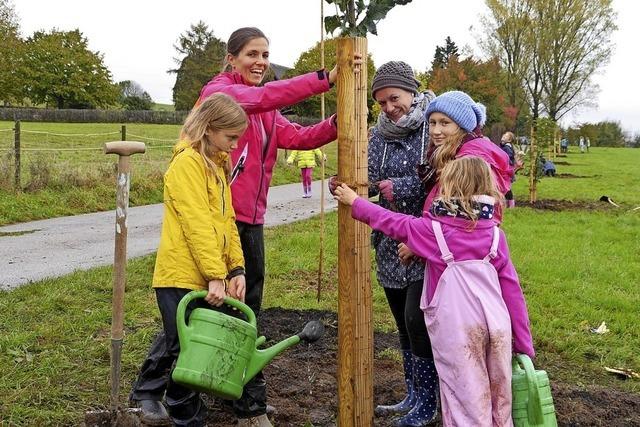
(534, 410)
(184, 302)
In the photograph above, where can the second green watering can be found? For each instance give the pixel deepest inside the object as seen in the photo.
(532, 401)
(219, 353)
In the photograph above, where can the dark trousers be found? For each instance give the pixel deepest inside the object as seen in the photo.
(253, 401)
(154, 380)
(412, 330)
(508, 195)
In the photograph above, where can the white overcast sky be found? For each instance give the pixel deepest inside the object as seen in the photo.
(137, 38)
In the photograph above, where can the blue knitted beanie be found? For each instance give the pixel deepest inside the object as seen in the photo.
(459, 106)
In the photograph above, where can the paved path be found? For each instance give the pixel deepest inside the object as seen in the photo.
(59, 246)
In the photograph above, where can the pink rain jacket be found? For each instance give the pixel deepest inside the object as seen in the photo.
(266, 123)
(418, 235)
(495, 157)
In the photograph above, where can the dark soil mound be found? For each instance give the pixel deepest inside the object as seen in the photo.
(302, 382)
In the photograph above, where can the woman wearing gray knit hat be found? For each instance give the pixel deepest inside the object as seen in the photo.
(455, 130)
(396, 146)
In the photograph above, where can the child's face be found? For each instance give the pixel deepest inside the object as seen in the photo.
(441, 127)
(224, 140)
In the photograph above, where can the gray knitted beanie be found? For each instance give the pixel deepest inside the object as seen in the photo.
(394, 74)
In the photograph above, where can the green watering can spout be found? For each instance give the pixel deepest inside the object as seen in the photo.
(311, 332)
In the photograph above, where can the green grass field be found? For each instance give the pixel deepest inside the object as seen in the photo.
(65, 172)
(577, 268)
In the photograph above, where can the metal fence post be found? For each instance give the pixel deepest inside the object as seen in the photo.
(16, 177)
(123, 131)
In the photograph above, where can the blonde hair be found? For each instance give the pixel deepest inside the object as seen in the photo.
(463, 178)
(217, 112)
(447, 151)
(508, 137)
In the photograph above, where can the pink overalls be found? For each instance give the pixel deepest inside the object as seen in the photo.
(470, 331)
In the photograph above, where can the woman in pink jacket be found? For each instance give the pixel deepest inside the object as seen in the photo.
(474, 307)
(246, 62)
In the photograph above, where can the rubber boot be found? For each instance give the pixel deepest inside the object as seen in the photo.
(153, 413)
(425, 410)
(407, 403)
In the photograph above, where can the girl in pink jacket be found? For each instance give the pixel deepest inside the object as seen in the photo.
(474, 308)
(246, 63)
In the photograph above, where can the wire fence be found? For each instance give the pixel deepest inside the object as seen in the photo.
(34, 159)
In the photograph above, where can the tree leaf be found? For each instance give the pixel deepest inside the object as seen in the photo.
(331, 23)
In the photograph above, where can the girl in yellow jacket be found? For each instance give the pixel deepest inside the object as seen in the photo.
(306, 162)
(199, 249)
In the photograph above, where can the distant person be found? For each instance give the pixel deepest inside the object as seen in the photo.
(199, 250)
(306, 161)
(588, 144)
(582, 145)
(474, 308)
(247, 62)
(506, 143)
(548, 168)
(564, 145)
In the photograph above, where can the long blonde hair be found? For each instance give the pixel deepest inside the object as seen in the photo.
(463, 178)
(217, 112)
(447, 151)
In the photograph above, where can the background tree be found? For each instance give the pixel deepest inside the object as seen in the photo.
(63, 72)
(11, 51)
(444, 53)
(602, 134)
(506, 40)
(578, 43)
(310, 61)
(482, 80)
(201, 55)
(133, 96)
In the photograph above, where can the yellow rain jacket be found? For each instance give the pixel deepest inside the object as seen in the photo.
(305, 158)
(199, 240)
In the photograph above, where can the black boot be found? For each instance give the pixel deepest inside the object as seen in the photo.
(407, 403)
(427, 394)
(153, 413)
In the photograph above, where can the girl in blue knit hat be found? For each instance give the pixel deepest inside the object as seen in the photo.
(455, 130)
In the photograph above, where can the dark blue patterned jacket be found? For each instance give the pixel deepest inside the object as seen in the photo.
(397, 159)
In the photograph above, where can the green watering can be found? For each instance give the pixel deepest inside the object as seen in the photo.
(532, 401)
(219, 353)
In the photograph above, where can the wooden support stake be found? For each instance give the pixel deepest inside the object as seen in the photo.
(16, 155)
(355, 330)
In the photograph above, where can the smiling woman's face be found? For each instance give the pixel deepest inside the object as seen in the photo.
(252, 62)
(394, 102)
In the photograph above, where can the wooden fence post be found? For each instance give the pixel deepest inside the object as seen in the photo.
(355, 329)
(16, 155)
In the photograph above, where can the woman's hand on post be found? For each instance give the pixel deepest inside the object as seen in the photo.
(345, 195)
(357, 62)
(237, 287)
(216, 293)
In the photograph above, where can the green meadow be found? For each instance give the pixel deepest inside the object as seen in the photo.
(578, 267)
(65, 172)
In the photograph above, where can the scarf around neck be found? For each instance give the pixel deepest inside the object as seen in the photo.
(408, 123)
(482, 206)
